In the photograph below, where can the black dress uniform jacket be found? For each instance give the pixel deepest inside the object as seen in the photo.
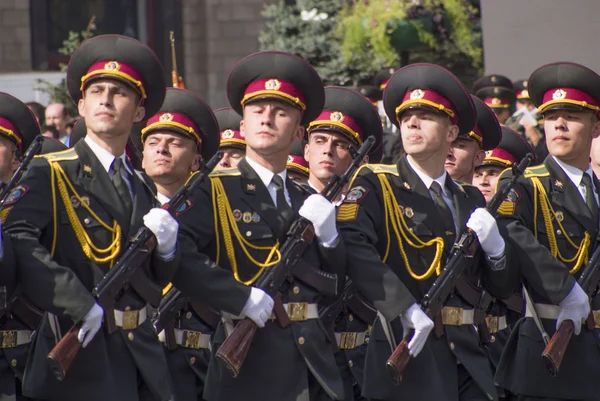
(112, 367)
(368, 237)
(282, 363)
(548, 280)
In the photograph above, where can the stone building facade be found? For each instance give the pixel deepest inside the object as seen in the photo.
(211, 36)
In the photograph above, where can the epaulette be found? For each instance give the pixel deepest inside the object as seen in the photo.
(382, 168)
(68, 154)
(462, 185)
(226, 172)
(536, 171)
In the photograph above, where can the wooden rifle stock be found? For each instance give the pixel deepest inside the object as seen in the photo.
(232, 353)
(62, 355)
(398, 361)
(555, 350)
(235, 348)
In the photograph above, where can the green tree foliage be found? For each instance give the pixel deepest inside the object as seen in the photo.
(308, 29)
(386, 32)
(59, 93)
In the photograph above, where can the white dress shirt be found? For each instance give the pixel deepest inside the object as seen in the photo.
(266, 176)
(576, 176)
(427, 180)
(162, 198)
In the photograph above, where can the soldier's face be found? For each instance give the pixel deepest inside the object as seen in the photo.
(270, 127)
(569, 135)
(110, 108)
(485, 179)
(425, 133)
(231, 157)
(168, 157)
(8, 160)
(327, 154)
(463, 156)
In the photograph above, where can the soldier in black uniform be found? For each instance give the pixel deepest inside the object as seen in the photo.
(552, 219)
(504, 313)
(232, 143)
(346, 120)
(18, 318)
(240, 218)
(71, 217)
(297, 166)
(468, 150)
(398, 223)
(183, 131)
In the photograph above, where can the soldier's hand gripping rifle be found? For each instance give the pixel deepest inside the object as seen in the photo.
(555, 350)
(118, 278)
(32, 150)
(235, 348)
(442, 288)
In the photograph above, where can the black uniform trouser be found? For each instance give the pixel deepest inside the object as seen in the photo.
(530, 398)
(468, 390)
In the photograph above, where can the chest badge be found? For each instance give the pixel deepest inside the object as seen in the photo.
(247, 217)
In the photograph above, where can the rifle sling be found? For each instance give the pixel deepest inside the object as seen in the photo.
(515, 303)
(325, 283)
(207, 315)
(146, 288)
(28, 314)
(473, 297)
(361, 308)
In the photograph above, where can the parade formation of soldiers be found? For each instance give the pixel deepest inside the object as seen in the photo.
(356, 314)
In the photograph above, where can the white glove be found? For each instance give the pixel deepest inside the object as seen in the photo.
(415, 318)
(165, 228)
(321, 213)
(575, 307)
(92, 322)
(258, 307)
(484, 225)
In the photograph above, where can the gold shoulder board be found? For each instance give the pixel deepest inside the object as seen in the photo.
(383, 168)
(226, 172)
(68, 154)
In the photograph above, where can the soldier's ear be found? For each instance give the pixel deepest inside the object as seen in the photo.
(452, 133)
(595, 127)
(306, 152)
(140, 112)
(479, 158)
(80, 108)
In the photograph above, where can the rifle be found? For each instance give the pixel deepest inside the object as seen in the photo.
(433, 301)
(176, 79)
(555, 350)
(118, 278)
(32, 150)
(235, 348)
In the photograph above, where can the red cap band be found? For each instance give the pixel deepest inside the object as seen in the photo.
(9, 129)
(117, 70)
(424, 97)
(274, 88)
(499, 155)
(169, 121)
(337, 119)
(497, 103)
(569, 96)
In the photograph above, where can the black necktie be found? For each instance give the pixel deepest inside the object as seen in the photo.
(443, 209)
(119, 172)
(284, 209)
(590, 200)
